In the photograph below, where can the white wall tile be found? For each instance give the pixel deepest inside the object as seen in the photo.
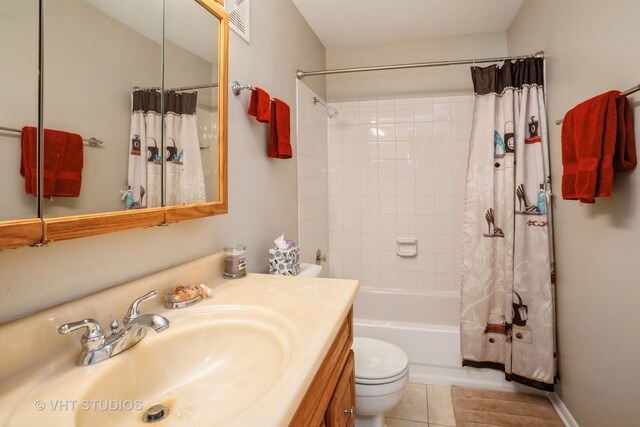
(386, 114)
(402, 169)
(406, 187)
(424, 131)
(369, 277)
(350, 133)
(405, 169)
(369, 242)
(424, 186)
(405, 132)
(386, 132)
(406, 225)
(387, 223)
(386, 150)
(406, 280)
(388, 279)
(425, 281)
(404, 112)
(406, 206)
(445, 206)
(387, 260)
(441, 130)
(368, 115)
(351, 223)
(423, 111)
(387, 186)
(424, 149)
(405, 150)
(442, 111)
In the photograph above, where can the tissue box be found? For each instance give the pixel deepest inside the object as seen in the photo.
(284, 261)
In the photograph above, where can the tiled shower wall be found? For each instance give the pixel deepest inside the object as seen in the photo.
(397, 169)
(312, 177)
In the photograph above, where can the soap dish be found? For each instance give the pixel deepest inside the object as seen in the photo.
(182, 296)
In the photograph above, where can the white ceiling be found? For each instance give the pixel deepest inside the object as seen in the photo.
(340, 23)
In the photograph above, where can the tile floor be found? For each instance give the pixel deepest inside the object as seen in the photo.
(423, 406)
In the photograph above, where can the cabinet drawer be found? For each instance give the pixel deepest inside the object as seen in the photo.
(341, 411)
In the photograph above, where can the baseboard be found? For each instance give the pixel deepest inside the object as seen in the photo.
(487, 379)
(562, 410)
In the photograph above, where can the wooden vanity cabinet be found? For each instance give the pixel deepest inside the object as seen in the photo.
(330, 400)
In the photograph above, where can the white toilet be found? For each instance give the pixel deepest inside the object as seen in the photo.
(382, 373)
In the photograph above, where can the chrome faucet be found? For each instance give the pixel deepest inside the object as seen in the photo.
(97, 346)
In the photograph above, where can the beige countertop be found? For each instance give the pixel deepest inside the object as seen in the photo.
(36, 362)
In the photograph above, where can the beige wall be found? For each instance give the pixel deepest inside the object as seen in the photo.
(263, 192)
(591, 47)
(407, 83)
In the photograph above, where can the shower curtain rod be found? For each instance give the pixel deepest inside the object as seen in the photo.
(179, 89)
(92, 142)
(301, 74)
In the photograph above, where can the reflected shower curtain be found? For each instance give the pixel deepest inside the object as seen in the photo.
(507, 307)
(145, 164)
(185, 177)
(183, 163)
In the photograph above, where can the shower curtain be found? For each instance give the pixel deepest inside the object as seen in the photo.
(144, 177)
(184, 174)
(507, 304)
(185, 177)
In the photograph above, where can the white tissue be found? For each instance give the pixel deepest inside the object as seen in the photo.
(281, 243)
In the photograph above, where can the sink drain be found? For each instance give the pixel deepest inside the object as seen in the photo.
(155, 413)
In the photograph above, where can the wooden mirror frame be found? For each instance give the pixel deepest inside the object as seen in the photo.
(41, 231)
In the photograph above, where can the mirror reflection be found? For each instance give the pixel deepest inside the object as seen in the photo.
(191, 120)
(19, 30)
(103, 69)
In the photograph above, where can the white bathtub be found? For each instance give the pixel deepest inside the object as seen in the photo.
(426, 327)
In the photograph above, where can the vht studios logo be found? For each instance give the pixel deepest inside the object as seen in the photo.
(88, 405)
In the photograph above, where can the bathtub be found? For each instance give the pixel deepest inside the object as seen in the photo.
(426, 327)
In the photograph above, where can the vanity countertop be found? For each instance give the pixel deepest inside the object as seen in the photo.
(40, 364)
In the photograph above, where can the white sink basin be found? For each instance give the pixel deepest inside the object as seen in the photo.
(206, 368)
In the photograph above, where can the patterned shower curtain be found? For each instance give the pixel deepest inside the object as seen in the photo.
(185, 177)
(507, 307)
(183, 161)
(144, 179)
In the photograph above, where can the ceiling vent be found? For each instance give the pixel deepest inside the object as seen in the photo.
(239, 17)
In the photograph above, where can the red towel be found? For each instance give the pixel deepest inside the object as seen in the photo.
(588, 143)
(625, 155)
(259, 105)
(279, 131)
(62, 159)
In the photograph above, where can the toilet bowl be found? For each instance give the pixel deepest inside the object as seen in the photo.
(382, 373)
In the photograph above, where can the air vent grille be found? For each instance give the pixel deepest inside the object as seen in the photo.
(239, 17)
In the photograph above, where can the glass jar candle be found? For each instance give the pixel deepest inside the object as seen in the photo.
(235, 262)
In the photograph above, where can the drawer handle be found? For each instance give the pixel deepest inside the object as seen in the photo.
(349, 411)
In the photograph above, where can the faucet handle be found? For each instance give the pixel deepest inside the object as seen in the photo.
(94, 336)
(133, 312)
(93, 329)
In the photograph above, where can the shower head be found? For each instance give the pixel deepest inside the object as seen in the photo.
(331, 111)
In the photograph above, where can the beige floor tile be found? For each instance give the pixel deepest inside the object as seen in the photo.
(392, 422)
(413, 406)
(440, 405)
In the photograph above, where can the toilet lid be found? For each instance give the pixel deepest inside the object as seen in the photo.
(377, 359)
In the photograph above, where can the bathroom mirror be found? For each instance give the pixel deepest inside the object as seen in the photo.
(19, 30)
(134, 121)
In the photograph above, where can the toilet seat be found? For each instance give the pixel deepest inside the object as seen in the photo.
(378, 362)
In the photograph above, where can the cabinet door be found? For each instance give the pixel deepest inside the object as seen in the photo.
(341, 411)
